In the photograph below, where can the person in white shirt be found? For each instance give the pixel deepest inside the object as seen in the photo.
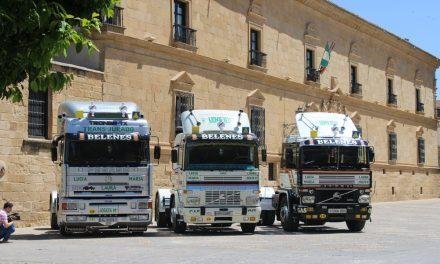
(6, 227)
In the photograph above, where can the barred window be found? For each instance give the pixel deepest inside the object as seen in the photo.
(38, 114)
(184, 102)
(258, 122)
(271, 172)
(392, 142)
(421, 150)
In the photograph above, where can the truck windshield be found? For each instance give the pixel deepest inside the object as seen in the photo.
(106, 152)
(221, 156)
(334, 157)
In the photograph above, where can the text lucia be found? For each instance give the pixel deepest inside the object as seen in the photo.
(109, 137)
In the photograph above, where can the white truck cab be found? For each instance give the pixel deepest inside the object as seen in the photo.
(216, 177)
(106, 175)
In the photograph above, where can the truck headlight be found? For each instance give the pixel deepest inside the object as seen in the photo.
(308, 199)
(364, 199)
(193, 200)
(252, 200)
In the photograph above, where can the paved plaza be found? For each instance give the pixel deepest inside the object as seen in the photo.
(400, 232)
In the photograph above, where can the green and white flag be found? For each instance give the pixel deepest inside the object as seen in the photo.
(326, 57)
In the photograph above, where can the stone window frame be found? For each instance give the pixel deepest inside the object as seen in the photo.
(356, 65)
(189, 24)
(48, 117)
(421, 151)
(259, 28)
(255, 99)
(181, 83)
(392, 148)
(313, 48)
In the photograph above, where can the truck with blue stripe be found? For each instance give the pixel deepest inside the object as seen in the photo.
(103, 150)
(216, 176)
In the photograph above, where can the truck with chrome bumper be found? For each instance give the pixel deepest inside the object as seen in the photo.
(80, 215)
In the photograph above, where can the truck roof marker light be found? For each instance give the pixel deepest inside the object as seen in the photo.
(313, 133)
(136, 115)
(195, 129)
(123, 108)
(92, 109)
(81, 136)
(78, 114)
(249, 137)
(136, 136)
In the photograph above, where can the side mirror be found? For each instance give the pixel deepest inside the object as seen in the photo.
(371, 154)
(264, 155)
(157, 152)
(54, 153)
(174, 156)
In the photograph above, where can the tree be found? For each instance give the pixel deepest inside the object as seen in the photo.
(32, 32)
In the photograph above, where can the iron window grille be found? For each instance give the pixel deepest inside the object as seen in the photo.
(258, 123)
(421, 150)
(117, 19)
(271, 170)
(392, 98)
(38, 114)
(257, 58)
(184, 34)
(184, 102)
(392, 141)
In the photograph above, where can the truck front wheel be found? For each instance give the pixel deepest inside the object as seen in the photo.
(53, 221)
(248, 228)
(267, 218)
(355, 226)
(289, 222)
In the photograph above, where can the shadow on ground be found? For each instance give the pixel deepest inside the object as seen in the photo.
(49, 234)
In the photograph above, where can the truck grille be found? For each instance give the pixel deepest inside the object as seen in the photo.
(223, 178)
(336, 196)
(336, 179)
(222, 198)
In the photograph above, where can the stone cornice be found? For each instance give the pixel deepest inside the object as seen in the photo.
(359, 24)
(144, 47)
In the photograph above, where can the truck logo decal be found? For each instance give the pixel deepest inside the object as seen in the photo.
(337, 196)
(217, 119)
(109, 137)
(223, 136)
(109, 129)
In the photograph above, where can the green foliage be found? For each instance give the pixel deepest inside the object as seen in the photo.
(32, 32)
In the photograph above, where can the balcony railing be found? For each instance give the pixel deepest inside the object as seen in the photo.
(117, 19)
(257, 58)
(392, 99)
(312, 75)
(420, 107)
(356, 88)
(185, 34)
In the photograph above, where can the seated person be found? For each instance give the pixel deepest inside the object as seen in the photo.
(6, 227)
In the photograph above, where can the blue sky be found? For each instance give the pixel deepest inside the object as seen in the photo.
(419, 21)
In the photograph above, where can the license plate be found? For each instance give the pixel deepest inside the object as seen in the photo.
(108, 188)
(223, 213)
(108, 210)
(108, 220)
(337, 211)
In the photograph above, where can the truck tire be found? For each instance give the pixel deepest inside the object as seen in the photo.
(267, 218)
(289, 222)
(178, 227)
(64, 232)
(355, 226)
(248, 228)
(53, 221)
(161, 220)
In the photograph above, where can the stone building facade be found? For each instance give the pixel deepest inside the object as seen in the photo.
(255, 55)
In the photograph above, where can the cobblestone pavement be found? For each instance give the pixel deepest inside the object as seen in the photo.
(401, 232)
